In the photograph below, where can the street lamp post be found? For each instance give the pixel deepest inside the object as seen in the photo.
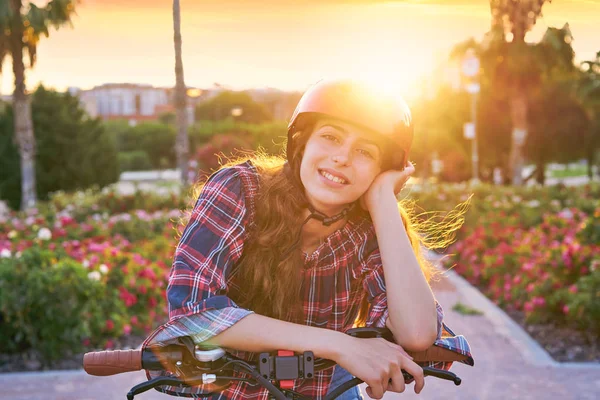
(470, 69)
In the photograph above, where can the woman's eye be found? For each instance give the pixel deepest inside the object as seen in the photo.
(365, 153)
(330, 137)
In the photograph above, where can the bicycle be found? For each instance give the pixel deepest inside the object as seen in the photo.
(191, 365)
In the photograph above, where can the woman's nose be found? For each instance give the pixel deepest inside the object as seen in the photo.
(342, 154)
(340, 158)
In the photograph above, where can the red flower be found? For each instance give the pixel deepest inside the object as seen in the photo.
(110, 325)
(152, 302)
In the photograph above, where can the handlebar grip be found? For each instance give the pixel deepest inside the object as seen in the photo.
(112, 362)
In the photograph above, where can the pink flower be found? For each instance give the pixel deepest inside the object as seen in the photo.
(85, 342)
(528, 307)
(539, 301)
(127, 329)
(530, 287)
(109, 344)
(527, 267)
(573, 289)
(147, 273)
(134, 320)
(565, 309)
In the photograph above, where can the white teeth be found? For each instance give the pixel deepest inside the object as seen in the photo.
(332, 178)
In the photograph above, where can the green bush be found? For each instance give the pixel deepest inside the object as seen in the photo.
(49, 305)
(224, 105)
(137, 160)
(73, 151)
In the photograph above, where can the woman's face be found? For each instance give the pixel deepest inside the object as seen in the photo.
(339, 163)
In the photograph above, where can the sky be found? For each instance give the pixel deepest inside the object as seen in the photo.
(275, 43)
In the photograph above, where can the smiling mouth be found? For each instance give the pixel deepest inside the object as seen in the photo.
(332, 178)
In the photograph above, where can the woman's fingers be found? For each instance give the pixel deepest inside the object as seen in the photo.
(396, 383)
(375, 391)
(417, 372)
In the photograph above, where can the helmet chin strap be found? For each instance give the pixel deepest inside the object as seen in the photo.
(319, 216)
(325, 220)
(314, 213)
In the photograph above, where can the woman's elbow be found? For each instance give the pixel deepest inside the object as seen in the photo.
(416, 340)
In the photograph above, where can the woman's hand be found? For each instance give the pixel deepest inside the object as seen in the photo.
(377, 361)
(391, 181)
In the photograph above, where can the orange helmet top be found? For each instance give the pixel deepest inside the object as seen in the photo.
(361, 104)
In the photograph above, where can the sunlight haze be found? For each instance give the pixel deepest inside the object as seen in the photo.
(281, 44)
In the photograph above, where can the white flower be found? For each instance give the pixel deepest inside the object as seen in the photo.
(12, 234)
(18, 254)
(103, 268)
(5, 253)
(94, 276)
(533, 203)
(86, 264)
(566, 214)
(44, 234)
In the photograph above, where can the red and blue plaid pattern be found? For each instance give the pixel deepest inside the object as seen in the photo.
(212, 243)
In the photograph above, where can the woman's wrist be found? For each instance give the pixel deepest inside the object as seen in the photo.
(333, 345)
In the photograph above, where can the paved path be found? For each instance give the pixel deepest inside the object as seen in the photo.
(504, 368)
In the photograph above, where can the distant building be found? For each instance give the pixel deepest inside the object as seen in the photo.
(133, 102)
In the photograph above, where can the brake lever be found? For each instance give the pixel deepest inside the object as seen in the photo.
(442, 374)
(152, 383)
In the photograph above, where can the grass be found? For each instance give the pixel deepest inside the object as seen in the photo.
(569, 172)
(465, 310)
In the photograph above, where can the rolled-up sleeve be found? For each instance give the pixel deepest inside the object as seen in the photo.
(211, 243)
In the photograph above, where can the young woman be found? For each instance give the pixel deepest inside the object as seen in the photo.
(291, 253)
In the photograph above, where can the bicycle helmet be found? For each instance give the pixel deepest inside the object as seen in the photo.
(357, 102)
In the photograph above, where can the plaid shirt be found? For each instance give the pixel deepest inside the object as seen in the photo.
(213, 242)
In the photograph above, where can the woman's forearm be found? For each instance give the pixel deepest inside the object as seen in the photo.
(257, 333)
(411, 304)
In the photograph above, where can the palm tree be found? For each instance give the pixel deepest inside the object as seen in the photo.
(23, 23)
(516, 18)
(588, 94)
(182, 143)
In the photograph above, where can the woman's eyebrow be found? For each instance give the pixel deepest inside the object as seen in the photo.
(344, 131)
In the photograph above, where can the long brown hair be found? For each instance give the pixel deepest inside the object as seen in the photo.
(268, 277)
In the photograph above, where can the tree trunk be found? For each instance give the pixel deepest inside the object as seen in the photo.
(22, 116)
(182, 144)
(518, 110)
(590, 162)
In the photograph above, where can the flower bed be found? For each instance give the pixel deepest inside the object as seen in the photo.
(536, 253)
(88, 270)
(84, 272)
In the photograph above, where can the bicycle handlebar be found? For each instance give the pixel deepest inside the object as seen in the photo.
(198, 367)
(105, 363)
